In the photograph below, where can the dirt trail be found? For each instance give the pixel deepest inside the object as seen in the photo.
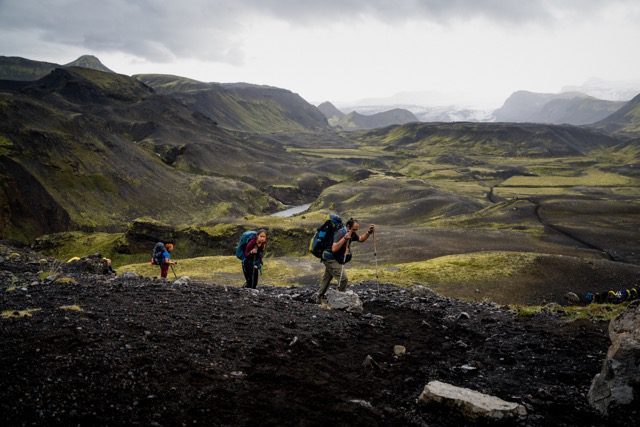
(491, 198)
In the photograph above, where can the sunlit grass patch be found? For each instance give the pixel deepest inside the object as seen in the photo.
(573, 312)
(227, 270)
(593, 178)
(8, 314)
(511, 192)
(201, 268)
(595, 311)
(65, 281)
(73, 307)
(451, 269)
(338, 153)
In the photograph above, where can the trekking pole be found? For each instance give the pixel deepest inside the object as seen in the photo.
(253, 273)
(344, 260)
(174, 271)
(375, 256)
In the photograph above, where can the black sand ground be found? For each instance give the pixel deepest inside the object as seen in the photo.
(143, 352)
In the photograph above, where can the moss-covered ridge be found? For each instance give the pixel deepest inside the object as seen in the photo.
(106, 149)
(246, 107)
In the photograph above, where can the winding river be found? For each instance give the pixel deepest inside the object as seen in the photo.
(292, 210)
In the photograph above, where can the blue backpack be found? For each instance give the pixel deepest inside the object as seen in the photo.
(157, 256)
(323, 239)
(242, 243)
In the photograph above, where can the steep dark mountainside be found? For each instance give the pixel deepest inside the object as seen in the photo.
(357, 121)
(494, 139)
(330, 111)
(241, 106)
(16, 68)
(569, 107)
(98, 149)
(625, 121)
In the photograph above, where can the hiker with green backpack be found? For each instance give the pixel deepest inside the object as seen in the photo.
(250, 250)
(332, 244)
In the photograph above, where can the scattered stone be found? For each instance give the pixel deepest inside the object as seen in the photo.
(362, 403)
(471, 404)
(615, 383)
(348, 301)
(369, 363)
(572, 298)
(238, 374)
(461, 344)
(128, 275)
(185, 280)
(464, 316)
(399, 350)
(293, 341)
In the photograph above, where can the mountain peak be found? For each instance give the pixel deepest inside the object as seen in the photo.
(329, 110)
(89, 61)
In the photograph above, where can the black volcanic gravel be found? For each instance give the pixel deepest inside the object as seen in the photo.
(145, 352)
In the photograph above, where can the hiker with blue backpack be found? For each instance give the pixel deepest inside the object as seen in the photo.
(250, 250)
(332, 244)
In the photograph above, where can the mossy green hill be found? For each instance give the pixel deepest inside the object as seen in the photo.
(89, 149)
(493, 139)
(22, 69)
(625, 121)
(241, 106)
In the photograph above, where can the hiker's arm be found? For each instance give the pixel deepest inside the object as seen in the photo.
(340, 243)
(367, 233)
(250, 248)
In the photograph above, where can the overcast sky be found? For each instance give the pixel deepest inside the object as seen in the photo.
(474, 52)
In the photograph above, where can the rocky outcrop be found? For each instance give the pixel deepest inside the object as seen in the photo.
(471, 404)
(618, 383)
(348, 301)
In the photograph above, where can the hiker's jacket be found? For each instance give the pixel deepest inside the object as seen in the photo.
(166, 257)
(339, 256)
(257, 257)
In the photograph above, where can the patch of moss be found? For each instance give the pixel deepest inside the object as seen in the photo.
(66, 281)
(9, 314)
(78, 244)
(6, 146)
(452, 269)
(589, 312)
(227, 270)
(73, 307)
(592, 178)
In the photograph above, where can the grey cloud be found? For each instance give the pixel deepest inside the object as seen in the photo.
(499, 11)
(157, 31)
(163, 30)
